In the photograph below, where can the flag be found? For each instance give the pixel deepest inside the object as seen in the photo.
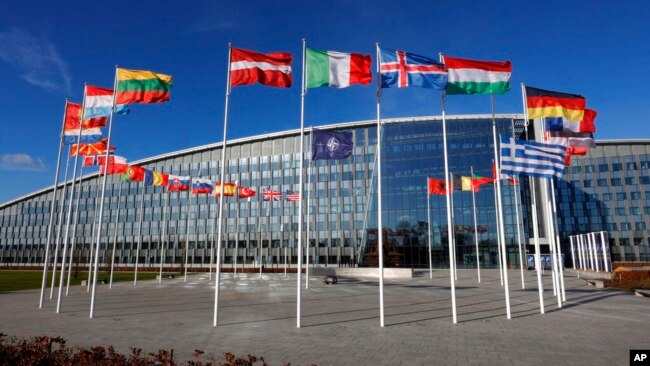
(561, 124)
(90, 149)
(436, 186)
(401, 69)
(574, 150)
(178, 183)
(545, 103)
(72, 116)
(89, 160)
(478, 181)
(570, 139)
(248, 67)
(512, 180)
(331, 145)
(337, 69)
(114, 168)
(467, 184)
(270, 195)
(477, 77)
(101, 160)
(532, 158)
(98, 103)
(229, 189)
(292, 196)
(160, 179)
(87, 136)
(202, 185)
(134, 173)
(142, 86)
(148, 178)
(245, 192)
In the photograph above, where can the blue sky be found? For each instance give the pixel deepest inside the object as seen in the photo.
(595, 48)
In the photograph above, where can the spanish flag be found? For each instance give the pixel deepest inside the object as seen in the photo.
(545, 103)
(228, 189)
(142, 86)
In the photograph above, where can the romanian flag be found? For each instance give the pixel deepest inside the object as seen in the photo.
(229, 189)
(141, 86)
(545, 103)
(90, 149)
(160, 179)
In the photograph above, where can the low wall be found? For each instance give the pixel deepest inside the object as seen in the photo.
(361, 272)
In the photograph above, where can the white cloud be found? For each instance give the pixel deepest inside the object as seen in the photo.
(21, 161)
(37, 61)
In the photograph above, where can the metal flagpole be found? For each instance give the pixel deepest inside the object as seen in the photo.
(515, 188)
(223, 174)
(558, 247)
(453, 230)
(593, 246)
(533, 204)
(101, 205)
(380, 231)
(117, 221)
(64, 193)
(137, 251)
(504, 252)
(551, 241)
(69, 215)
(498, 219)
(429, 229)
(583, 254)
(74, 231)
(573, 252)
(211, 237)
(478, 264)
(307, 244)
(92, 230)
(300, 182)
(52, 208)
(187, 228)
(234, 274)
(450, 230)
(163, 240)
(260, 244)
(605, 260)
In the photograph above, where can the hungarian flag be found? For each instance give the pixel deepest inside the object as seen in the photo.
(245, 192)
(437, 186)
(546, 103)
(90, 149)
(178, 183)
(337, 69)
(477, 77)
(248, 67)
(142, 86)
(134, 173)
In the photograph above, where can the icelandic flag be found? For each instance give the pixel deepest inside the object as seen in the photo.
(400, 69)
(331, 145)
(178, 183)
(88, 136)
(202, 185)
(98, 103)
(531, 158)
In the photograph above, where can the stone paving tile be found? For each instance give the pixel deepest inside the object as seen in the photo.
(340, 323)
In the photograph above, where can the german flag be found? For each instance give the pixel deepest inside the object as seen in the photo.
(545, 103)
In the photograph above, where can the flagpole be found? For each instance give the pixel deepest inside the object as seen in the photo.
(534, 214)
(212, 229)
(52, 207)
(163, 240)
(300, 181)
(429, 230)
(380, 243)
(234, 274)
(137, 251)
(515, 188)
(504, 252)
(92, 230)
(308, 243)
(498, 219)
(101, 205)
(223, 174)
(187, 226)
(450, 230)
(74, 231)
(557, 241)
(453, 237)
(478, 262)
(260, 245)
(60, 224)
(69, 215)
(117, 221)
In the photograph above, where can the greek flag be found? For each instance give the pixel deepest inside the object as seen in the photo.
(531, 158)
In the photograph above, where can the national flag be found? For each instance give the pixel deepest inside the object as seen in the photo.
(160, 179)
(142, 86)
(90, 149)
(89, 160)
(292, 196)
(148, 178)
(178, 183)
(561, 124)
(574, 150)
(134, 173)
(202, 185)
(570, 139)
(467, 184)
(331, 145)
(98, 103)
(229, 189)
(337, 69)
(478, 181)
(101, 160)
(87, 136)
(477, 77)
(532, 158)
(248, 67)
(269, 194)
(436, 186)
(72, 116)
(245, 192)
(114, 168)
(401, 69)
(545, 103)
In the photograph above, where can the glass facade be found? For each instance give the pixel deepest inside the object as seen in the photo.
(342, 210)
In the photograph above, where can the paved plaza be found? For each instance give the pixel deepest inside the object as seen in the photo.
(340, 324)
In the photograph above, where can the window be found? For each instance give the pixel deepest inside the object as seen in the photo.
(629, 181)
(607, 196)
(620, 211)
(635, 211)
(588, 183)
(640, 225)
(617, 167)
(603, 168)
(630, 165)
(616, 182)
(602, 182)
(635, 195)
(625, 226)
(621, 196)
(644, 180)
(589, 169)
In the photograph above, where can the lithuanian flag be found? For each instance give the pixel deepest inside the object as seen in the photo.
(545, 103)
(141, 86)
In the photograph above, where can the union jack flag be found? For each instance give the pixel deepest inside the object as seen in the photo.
(293, 196)
(269, 194)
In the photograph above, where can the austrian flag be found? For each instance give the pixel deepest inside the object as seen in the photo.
(247, 67)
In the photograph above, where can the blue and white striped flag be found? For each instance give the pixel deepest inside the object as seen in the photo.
(531, 158)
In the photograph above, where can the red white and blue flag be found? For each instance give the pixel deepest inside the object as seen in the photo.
(293, 196)
(202, 185)
(178, 183)
(99, 101)
(87, 136)
(561, 124)
(269, 194)
(400, 69)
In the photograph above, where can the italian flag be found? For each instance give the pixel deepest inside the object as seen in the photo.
(477, 77)
(337, 69)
